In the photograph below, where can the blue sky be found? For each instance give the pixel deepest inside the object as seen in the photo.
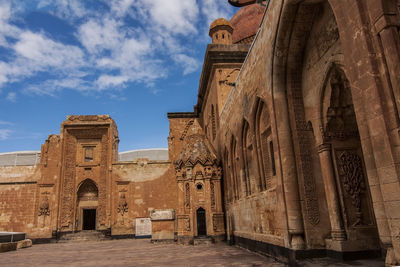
(135, 60)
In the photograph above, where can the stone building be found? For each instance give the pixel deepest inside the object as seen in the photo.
(292, 149)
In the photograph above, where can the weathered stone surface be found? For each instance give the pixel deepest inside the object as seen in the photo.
(162, 215)
(293, 146)
(10, 246)
(26, 243)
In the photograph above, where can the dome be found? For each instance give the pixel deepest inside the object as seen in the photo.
(221, 22)
(246, 22)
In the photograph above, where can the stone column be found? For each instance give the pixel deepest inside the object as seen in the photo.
(332, 197)
(289, 173)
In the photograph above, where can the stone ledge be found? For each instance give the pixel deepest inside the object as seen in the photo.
(10, 246)
(24, 243)
(292, 256)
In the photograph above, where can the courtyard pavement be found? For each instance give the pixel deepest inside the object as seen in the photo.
(141, 252)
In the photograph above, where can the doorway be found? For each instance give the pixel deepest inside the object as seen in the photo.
(201, 222)
(89, 219)
(87, 205)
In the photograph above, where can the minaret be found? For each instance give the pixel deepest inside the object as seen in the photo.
(221, 31)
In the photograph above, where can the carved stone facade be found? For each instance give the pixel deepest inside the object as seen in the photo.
(292, 148)
(199, 174)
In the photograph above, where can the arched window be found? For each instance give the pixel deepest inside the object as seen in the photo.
(233, 163)
(265, 147)
(247, 157)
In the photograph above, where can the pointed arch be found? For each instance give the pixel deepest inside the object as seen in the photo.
(247, 149)
(233, 169)
(87, 189)
(264, 144)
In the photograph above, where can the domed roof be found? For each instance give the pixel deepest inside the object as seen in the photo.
(220, 22)
(246, 22)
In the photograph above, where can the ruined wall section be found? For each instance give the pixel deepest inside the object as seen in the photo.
(18, 198)
(138, 188)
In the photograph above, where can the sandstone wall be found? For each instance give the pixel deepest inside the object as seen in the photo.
(18, 198)
(146, 185)
(258, 213)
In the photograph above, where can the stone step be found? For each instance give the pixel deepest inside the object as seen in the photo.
(203, 240)
(83, 236)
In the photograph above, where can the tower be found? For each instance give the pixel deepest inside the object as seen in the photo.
(221, 31)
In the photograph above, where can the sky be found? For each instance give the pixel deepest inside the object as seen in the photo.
(134, 60)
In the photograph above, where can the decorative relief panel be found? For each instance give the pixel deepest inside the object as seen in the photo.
(187, 195)
(122, 206)
(218, 222)
(184, 223)
(353, 184)
(68, 182)
(212, 189)
(44, 207)
(102, 208)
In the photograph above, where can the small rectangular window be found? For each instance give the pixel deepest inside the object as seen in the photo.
(89, 154)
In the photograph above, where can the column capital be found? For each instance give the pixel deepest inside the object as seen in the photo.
(324, 147)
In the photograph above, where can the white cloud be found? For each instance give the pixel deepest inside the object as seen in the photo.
(176, 16)
(96, 35)
(189, 64)
(213, 10)
(105, 81)
(5, 134)
(67, 9)
(121, 7)
(11, 96)
(6, 29)
(5, 123)
(46, 52)
(111, 53)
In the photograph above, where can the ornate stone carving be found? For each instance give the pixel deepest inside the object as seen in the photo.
(88, 118)
(190, 123)
(187, 222)
(212, 189)
(304, 135)
(68, 183)
(122, 206)
(353, 180)
(187, 195)
(102, 212)
(340, 117)
(44, 207)
(218, 222)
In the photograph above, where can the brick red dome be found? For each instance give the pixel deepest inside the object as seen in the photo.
(246, 22)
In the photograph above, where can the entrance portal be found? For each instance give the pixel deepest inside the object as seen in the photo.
(201, 222)
(87, 205)
(89, 219)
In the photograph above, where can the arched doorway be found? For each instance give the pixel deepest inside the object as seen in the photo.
(87, 205)
(201, 222)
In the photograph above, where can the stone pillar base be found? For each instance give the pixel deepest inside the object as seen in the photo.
(352, 245)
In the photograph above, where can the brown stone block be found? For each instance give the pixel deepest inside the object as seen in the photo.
(376, 194)
(390, 192)
(4, 247)
(26, 243)
(388, 174)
